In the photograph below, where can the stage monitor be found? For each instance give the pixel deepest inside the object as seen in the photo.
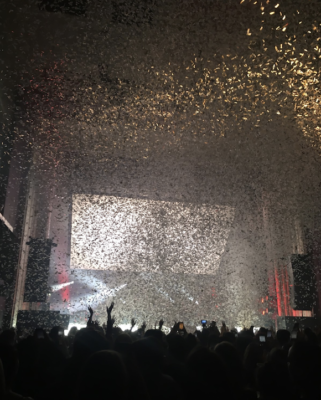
(130, 234)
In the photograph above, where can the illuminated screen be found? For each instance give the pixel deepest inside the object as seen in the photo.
(125, 234)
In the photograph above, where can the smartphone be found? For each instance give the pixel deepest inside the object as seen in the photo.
(204, 321)
(181, 326)
(269, 333)
(294, 335)
(262, 339)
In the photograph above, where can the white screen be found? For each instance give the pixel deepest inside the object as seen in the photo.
(125, 234)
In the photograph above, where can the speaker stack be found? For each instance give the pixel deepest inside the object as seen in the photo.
(37, 289)
(304, 282)
(305, 293)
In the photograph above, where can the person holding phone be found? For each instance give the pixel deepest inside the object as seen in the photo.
(204, 322)
(214, 329)
(178, 328)
(181, 329)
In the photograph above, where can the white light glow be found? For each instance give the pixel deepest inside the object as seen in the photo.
(7, 223)
(55, 288)
(72, 324)
(126, 327)
(123, 234)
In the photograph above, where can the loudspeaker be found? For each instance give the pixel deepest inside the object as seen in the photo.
(41, 319)
(305, 322)
(304, 282)
(9, 253)
(36, 285)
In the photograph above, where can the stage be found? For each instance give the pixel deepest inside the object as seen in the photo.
(156, 256)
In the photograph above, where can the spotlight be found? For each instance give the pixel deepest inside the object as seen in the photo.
(55, 288)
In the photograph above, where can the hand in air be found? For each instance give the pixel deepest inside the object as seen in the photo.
(224, 329)
(175, 327)
(143, 327)
(110, 308)
(91, 311)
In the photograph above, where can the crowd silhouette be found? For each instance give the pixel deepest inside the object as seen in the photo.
(103, 362)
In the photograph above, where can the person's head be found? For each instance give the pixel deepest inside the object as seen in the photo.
(305, 366)
(190, 343)
(39, 333)
(206, 370)
(10, 362)
(87, 342)
(253, 355)
(241, 344)
(158, 336)
(212, 341)
(310, 336)
(103, 375)
(261, 332)
(231, 358)
(155, 333)
(122, 343)
(229, 337)
(176, 347)
(148, 354)
(277, 356)
(72, 332)
(273, 381)
(116, 330)
(283, 337)
(56, 334)
(248, 332)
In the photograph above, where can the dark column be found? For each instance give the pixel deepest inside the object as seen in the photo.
(9, 255)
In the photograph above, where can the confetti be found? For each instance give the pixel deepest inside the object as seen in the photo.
(167, 148)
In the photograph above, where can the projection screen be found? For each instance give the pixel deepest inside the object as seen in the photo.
(130, 234)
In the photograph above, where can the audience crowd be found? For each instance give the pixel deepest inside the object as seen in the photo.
(106, 363)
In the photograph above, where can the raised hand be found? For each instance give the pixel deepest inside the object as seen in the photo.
(110, 308)
(110, 321)
(143, 327)
(91, 312)
(175, 327)
(160, 324)
(133, 322)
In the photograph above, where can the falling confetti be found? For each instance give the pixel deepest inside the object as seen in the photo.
(171, 150)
